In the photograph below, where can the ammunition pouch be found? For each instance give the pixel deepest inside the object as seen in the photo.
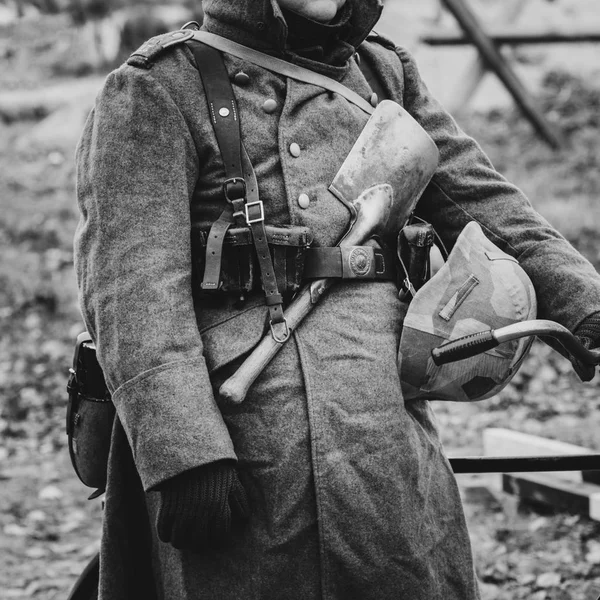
(240, 272)
(90, 416)
(414, 245)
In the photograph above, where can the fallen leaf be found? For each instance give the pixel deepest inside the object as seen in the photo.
(527, 579)
(36, 552)
(538, 523)
(50, 492)
(548, 580)
(14, 593)
(14, 530)
(91, 549)
(36, 516)
(593, 553)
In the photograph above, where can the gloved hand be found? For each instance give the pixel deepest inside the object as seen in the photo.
(198, 507)
(588, 333)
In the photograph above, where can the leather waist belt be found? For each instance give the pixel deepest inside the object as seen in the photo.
(349, 262)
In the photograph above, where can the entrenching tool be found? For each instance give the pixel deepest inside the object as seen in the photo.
(379, 182)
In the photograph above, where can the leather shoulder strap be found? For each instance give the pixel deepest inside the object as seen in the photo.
(225, 120)
(223, 113)
(282, 67)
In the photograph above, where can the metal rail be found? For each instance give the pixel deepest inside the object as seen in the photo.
(525, 464)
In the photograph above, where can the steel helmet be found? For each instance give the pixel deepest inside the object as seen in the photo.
(480, 287)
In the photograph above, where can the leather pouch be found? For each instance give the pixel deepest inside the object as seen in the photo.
(90, 416)
(414, 246)
(239, 267)
(288, 247)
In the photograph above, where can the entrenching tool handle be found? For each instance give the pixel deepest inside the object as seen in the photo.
(234, 390)
(372, 209)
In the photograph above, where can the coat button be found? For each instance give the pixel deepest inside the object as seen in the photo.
(374, 99)
(294, 150)
(270, 106)
(303, 201)
(241, 78)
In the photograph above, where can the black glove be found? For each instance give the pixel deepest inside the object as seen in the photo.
(588, 333)
(198, 507)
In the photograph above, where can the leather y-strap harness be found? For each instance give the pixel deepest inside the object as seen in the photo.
(240, 187)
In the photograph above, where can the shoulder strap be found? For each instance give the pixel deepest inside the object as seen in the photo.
(225, 119)
(151, 49)
(223, 114)
(282, 67)
(240, 188)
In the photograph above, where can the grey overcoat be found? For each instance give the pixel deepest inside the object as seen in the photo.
(350, 492)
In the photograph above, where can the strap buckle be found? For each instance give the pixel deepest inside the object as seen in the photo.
(193, 25)
(261, 212)
(407, 292)
(234, 188)
(286, 334)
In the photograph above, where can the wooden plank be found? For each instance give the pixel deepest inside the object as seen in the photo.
(575, 497)
(499, 441)
(511, 36)
(495, 62)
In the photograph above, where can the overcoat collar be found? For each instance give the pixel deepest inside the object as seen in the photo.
(260, 24)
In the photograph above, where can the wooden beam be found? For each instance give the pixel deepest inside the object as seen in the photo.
(511, 36)
(495, 62)
(579, 498)
(562, 491)
(474, 72)
(499, 441)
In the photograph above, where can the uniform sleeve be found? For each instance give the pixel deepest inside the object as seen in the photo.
(466, 187)
(136, 170)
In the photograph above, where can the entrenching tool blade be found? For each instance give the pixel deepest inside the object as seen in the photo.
(394, 149)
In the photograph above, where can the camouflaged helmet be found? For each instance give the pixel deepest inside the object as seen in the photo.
(479, 288)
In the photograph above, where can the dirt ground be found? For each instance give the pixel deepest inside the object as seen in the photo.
(48, 530)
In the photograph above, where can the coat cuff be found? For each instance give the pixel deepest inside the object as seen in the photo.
(172, 421)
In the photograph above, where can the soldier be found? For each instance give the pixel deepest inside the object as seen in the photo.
(324, 483)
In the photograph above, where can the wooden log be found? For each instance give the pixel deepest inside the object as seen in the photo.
(510, 36)
(474, 73)
(495, 62)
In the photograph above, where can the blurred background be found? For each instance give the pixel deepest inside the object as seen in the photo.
(54, 55)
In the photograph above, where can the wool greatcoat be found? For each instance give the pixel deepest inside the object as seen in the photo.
(351, 495)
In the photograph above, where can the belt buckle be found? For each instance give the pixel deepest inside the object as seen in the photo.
(286, 333)
(358, 262)
(228, 188)
(261, 208)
